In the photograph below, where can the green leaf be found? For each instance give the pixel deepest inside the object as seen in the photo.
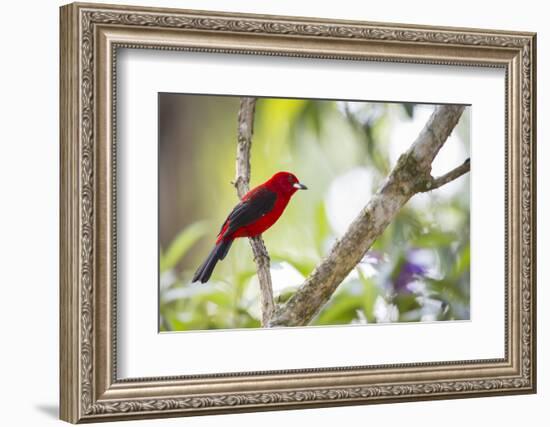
(434, 239)
(181, 244)
(463, 263)
(342, 310)
(406, 302)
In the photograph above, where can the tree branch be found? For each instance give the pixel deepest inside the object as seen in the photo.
(408, 177)
(242, 180)
(457, 172)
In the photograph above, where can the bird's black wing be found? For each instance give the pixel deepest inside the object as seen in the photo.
(256, 205)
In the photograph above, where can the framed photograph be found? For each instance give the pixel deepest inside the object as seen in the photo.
(266, 212)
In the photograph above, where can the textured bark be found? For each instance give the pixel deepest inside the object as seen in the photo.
(411, 174)
(242, 180)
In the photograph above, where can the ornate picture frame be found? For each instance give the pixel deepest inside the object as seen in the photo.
(90, 37)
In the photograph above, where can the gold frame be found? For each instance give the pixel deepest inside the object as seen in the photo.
(90, 36)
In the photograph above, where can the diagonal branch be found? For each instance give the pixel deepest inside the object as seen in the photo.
(242, 180)
(409, 176)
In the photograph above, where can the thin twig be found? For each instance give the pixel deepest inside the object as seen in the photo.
(457, 172)
(242, 181)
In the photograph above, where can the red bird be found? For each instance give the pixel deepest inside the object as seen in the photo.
(258, 210)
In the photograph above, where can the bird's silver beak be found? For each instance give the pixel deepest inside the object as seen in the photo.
(299, 186)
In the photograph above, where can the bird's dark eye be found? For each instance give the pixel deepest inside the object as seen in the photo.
(290, 179)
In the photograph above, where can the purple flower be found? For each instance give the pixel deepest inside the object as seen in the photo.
(411, 270)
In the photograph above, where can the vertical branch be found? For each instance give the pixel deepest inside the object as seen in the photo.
(242, 180)
(244, 142)
(261, 258)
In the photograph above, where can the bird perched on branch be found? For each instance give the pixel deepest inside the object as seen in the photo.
(258, 210)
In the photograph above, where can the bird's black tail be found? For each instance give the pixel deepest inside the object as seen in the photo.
(219, 252)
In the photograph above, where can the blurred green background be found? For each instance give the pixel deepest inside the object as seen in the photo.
(418, 270)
